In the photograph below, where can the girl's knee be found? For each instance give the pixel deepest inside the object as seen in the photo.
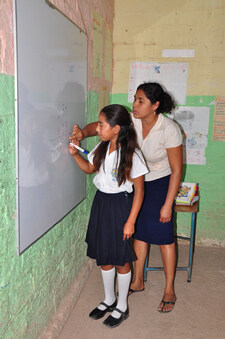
(107, 267)
(123, 269)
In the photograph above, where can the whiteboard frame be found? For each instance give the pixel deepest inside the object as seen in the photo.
(19, 249)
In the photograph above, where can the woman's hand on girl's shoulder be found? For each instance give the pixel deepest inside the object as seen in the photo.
(128, 230)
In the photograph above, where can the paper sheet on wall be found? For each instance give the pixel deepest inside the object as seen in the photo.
(219, 120)
(194, 123)
(173, 76)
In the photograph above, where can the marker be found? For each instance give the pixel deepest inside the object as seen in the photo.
(79, 148)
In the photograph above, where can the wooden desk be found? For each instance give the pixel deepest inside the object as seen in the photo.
(183, 209)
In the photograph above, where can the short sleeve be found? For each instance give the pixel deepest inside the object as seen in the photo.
(173, 136)
(91, 154)
(139, 165)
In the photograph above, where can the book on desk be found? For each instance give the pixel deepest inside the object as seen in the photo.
(187, 194)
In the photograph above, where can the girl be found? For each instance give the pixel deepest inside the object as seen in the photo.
(119, 165)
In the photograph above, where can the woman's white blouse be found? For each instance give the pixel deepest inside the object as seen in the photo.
(164, 134)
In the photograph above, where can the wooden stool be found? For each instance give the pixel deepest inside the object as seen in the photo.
(183, 209)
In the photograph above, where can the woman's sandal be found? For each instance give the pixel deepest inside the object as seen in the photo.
(166, 303)
(131, 291)
(134, 291)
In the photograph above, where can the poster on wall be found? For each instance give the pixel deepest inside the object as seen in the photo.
(173, 76)
(194, 124)
(219, 120)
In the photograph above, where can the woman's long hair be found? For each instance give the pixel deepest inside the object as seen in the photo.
(127, 141)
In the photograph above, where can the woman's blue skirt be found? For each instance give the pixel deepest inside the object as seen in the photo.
(109, 214)
(148, 227)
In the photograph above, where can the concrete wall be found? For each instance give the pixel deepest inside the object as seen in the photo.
(142, 29)
(33, 285)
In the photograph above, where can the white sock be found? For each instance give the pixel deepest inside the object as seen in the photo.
(123, 288)
(108, 278)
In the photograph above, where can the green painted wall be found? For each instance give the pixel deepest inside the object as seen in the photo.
(33, 285)
(211, 178)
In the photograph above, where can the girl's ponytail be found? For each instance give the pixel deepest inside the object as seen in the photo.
(127, 139)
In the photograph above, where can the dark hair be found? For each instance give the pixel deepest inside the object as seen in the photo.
(154, 92)
(127, 140)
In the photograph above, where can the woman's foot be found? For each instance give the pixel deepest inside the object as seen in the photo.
(136, 288)
(134, 291)
(167, 303)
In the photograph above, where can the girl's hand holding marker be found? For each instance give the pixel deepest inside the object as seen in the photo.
(74, 148)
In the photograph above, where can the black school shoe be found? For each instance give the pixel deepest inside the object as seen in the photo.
(98, 314)
(113, 322)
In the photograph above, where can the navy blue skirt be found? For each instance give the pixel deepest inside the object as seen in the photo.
(109, 214)
(148, 227)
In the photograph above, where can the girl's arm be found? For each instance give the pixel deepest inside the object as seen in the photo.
(128, 229)
(88, 131)
(84, 165)
(175, 161)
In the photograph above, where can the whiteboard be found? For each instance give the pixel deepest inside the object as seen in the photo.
(50, 97)
(173, 76)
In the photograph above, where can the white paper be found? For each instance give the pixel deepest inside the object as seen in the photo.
(194, 122)
(173, 76)
(178, 53)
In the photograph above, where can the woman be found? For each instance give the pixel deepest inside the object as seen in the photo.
(160, 140)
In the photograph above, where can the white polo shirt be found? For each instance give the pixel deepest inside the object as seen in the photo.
(105, 180)
(164, 134)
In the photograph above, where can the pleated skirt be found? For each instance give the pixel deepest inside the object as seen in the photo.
(148, 227)
(104, 238)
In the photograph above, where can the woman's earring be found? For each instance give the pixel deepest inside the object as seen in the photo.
(154, 113)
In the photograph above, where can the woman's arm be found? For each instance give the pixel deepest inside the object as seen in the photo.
(88, 131)
(128, 229)
(176, 161)
(82, 163)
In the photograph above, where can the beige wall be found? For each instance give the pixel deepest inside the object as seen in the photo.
(6, 38)
(142, 29)
(81, 13)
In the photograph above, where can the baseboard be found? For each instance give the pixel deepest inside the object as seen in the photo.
(53, 330)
